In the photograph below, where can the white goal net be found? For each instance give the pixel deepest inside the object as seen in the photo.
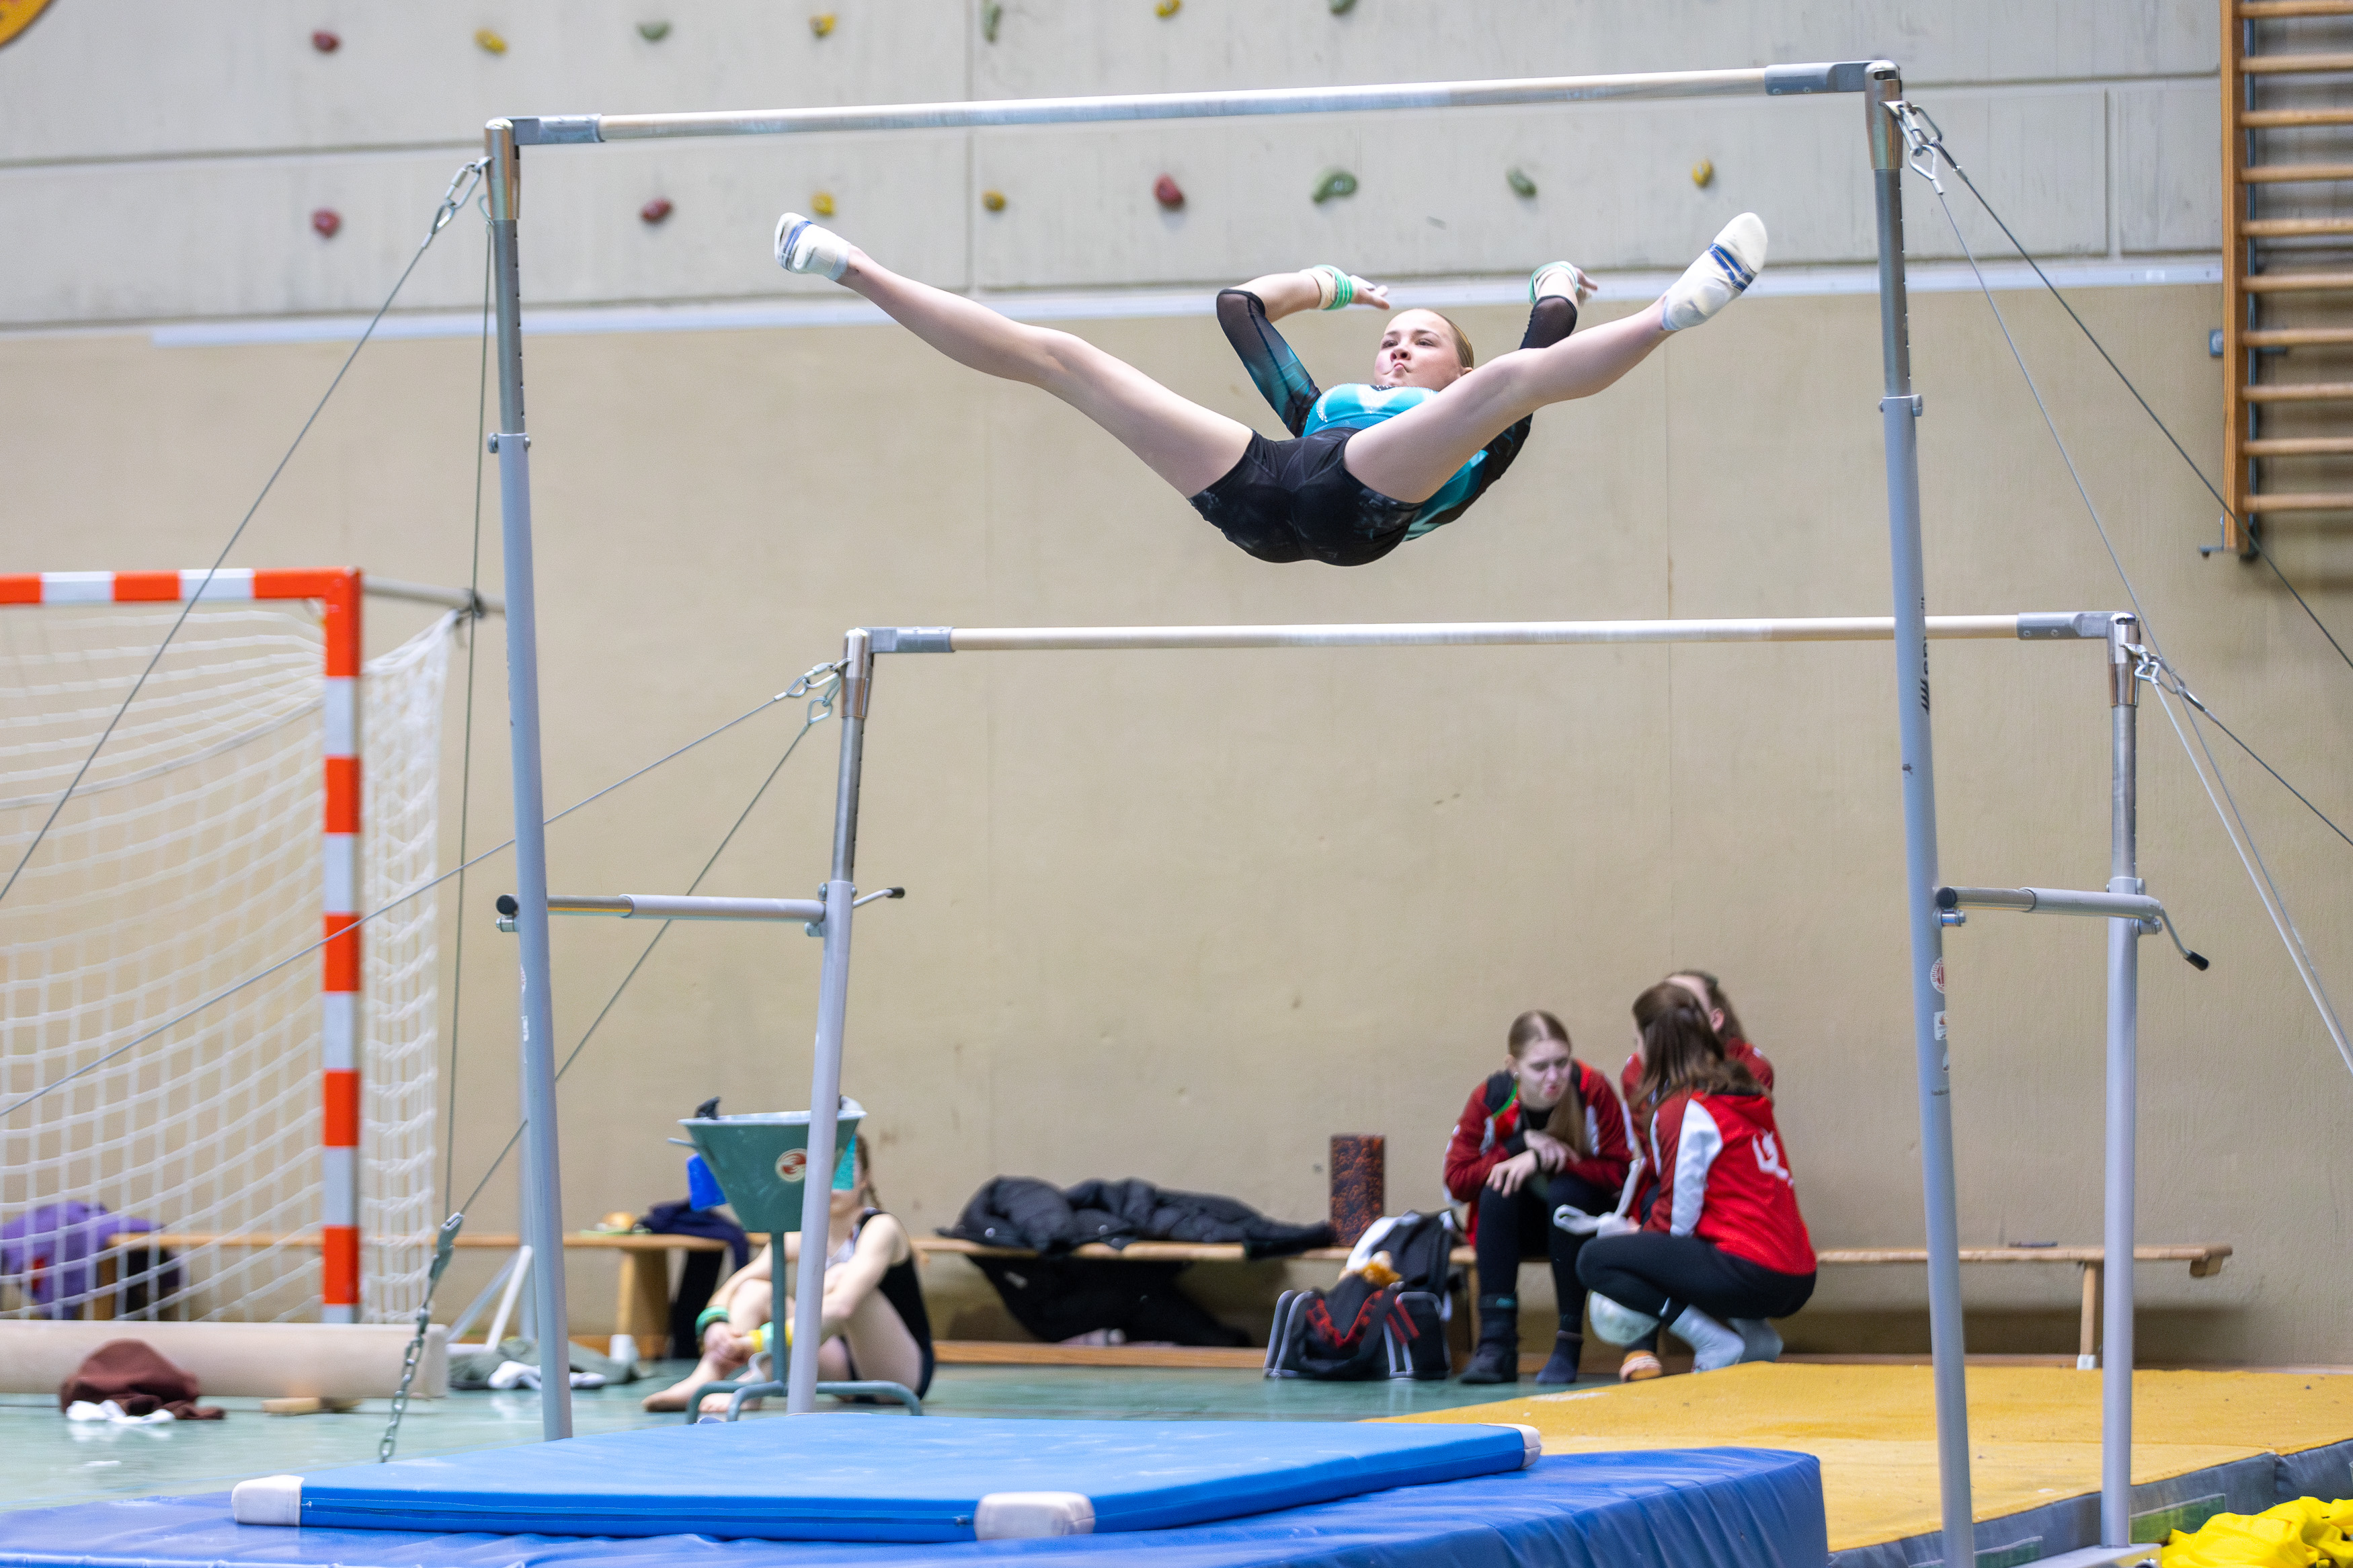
(189, 860)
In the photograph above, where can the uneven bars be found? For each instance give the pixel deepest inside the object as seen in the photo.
(2073, 626)
(1777, 81)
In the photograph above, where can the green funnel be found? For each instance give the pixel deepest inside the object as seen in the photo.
(761, 1161)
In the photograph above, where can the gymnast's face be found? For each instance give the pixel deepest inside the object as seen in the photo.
(1418, 350)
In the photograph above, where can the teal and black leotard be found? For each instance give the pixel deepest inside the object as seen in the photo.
(1295, 500)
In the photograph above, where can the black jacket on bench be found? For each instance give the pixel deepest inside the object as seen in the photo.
(1020, 1211)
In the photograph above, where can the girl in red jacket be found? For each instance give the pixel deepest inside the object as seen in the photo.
(1720, 1014)
(1723, 1246)
(1545, 1132)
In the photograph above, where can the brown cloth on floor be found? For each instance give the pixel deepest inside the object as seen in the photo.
(130, 1374)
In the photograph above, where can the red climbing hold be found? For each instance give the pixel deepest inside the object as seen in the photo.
(325, 42)
(1168, 193)
(325, 222)
(654, 210)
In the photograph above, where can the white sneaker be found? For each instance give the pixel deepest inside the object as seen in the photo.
(1714, 1346)
(1718, 277)
(1759, 1340)
(803, 247)
(1561, 278)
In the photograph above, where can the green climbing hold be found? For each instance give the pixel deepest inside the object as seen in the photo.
(1336, 182)
(1520, 184)
(991, 13)
(1342, 7)
(653, 32)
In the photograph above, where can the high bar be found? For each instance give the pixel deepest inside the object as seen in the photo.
(2073, 624)
(1775, 81)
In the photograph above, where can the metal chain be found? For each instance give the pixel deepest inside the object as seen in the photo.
(444, 1242)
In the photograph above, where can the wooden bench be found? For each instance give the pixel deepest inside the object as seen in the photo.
(642, 1309)
(2204, 1262)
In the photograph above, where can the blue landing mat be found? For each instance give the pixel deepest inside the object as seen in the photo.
(1713, 1507)
(846, 1478)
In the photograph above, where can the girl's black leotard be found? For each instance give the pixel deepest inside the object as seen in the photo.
(904, 1292)
(1296, 501)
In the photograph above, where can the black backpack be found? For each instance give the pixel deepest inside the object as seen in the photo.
(1357, 1331)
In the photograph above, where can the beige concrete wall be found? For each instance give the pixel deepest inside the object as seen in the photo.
(1186, 916)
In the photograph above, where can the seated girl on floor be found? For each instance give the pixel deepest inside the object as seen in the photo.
(875, 1325)
(1543, 1132)
(1723, 1246)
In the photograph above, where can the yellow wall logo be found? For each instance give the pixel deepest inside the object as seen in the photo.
(16, 15)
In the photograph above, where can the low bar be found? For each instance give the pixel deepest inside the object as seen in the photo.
(2054, 902)
(2071, 626)
(1774, 81)
(669, 906)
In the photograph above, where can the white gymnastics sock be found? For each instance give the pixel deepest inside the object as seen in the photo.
(1565, 278)
(1714, 1346)
(1718, 277)
(803, 247)
(1759, 1340)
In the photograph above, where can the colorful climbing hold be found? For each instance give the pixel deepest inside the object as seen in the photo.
(1169, 193)
(1334, 183)
(1168, 8)
(1520, 182)
(653, 32)
(489, 42)
(821, 24)
(654, 210)
(821, 204)
(325, 222)
(325, 42)
(1703, 173)
(993, 200)
(991, 13)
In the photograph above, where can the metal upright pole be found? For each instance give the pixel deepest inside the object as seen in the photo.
(1899, 409)
(832, 1007)
(2124, 1026)
(542, 1188)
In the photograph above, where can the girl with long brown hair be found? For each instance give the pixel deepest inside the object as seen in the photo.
(1545, 1130)
(1723, 1246)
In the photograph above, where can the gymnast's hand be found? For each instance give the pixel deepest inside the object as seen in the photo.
(1507, 1174)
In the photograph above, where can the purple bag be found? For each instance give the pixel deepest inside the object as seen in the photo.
(45, 1252)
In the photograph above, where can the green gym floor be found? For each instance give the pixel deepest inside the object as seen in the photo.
(47, 1462)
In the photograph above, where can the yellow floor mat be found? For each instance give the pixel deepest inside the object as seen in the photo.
(2034, 1432)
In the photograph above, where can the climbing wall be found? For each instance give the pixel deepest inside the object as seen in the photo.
(308, 144)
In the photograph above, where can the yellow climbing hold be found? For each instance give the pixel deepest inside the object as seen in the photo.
(1168, 8)
(1703, 173)
(821, 24)
(993, 200)
(491, 43)
(821, 204)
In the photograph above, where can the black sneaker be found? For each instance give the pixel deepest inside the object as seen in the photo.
(1567, 1350)
(1494, 1362)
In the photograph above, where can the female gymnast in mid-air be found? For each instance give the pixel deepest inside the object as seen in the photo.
(1370, 465)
